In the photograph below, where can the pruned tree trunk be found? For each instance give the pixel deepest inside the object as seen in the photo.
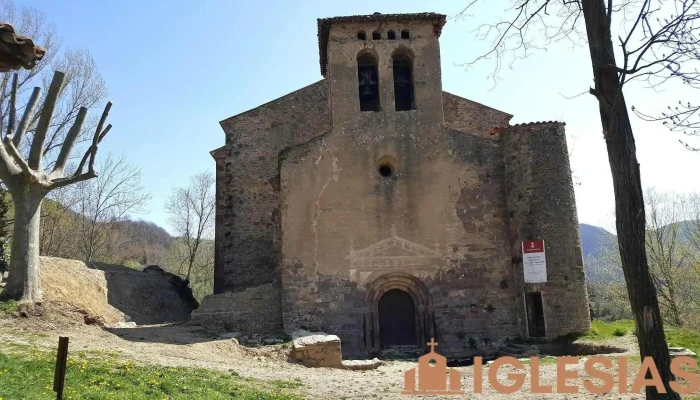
(24, 283)
(629, 199)
(28, 182)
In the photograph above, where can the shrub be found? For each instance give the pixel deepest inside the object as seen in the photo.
(620, 332)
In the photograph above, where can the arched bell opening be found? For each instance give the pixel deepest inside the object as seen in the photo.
(368, 80)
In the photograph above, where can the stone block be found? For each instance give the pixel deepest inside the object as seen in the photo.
(317, 349)
(362, 365)
(680, 351)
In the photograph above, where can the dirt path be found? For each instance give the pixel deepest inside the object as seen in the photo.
(190, 347)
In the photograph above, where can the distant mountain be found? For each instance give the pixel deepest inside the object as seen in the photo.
(595, 240)
(142, 241)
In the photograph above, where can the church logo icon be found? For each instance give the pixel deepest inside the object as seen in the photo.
(433, 376)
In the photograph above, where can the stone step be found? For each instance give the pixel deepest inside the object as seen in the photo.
(362, 365)
(512, 349)
(524, 347)
(680, 351)
(401, 352)
(507, 354)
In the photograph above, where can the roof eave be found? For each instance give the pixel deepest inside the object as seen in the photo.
(324, 25)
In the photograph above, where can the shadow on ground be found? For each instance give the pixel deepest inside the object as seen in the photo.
(151, 296)
(177, 333)
(567, 348)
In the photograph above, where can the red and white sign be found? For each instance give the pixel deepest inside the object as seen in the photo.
(534, 261)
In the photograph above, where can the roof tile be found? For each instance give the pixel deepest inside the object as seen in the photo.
(17, 51)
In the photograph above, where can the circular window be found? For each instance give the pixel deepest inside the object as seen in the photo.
(385, 170)
(387, 166)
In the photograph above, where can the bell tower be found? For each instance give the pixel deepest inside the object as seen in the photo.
(382, 66)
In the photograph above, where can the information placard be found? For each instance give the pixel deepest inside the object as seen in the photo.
(534, 261)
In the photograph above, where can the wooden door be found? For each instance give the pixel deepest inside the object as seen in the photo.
(397, 319)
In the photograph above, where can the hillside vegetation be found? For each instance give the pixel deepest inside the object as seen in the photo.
(673, 253)
(124, 241)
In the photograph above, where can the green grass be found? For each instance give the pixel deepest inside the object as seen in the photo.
(8, 307)
(548, 360)
(684, 337)
(27, 373)
(676, 337)
(601, 330)
(286, 384)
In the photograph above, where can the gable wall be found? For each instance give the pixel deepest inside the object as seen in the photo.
(469, 116)
(448, 188)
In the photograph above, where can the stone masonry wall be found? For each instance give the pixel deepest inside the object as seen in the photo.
(247, 212)
(240, 311)
(447, 195)
(542, 205)
(301, 206)
(247, 216)
(469, 116)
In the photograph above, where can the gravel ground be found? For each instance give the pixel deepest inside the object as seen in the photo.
(178, 345)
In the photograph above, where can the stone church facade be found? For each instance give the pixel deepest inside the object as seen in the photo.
(375, 206)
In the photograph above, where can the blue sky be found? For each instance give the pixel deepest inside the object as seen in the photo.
(174, 69)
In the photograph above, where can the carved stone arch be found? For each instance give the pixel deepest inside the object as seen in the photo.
(378, 284)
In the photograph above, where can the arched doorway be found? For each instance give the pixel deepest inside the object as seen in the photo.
(379, 285)
(397, 319)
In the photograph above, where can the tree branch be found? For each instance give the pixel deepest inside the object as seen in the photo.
(17, 157)
(89, 151)
(97, 137)
(69, 142)
(13, 107)
(61, 182)
(37, 150)
(27, 116)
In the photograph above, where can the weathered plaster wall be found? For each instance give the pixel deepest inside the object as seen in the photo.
(446, 195)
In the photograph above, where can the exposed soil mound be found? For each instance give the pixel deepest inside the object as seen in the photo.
(114, 293)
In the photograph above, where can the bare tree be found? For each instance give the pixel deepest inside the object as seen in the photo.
(678, 60)
(191, 211)
(31, 23)
(58, 223)
(644, 29)
(674, 260)
(83, 85)
(104, 201)
(28, 182)
(669, 256)
(201, 279)
(684, 117)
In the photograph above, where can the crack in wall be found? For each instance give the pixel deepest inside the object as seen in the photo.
(334, 177)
